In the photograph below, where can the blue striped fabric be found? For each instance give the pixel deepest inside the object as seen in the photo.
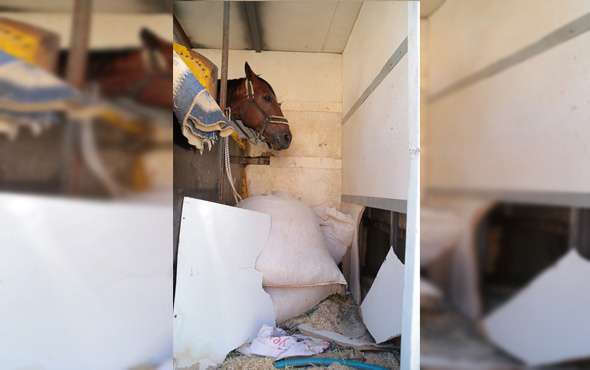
(31, 94)
(199, 115)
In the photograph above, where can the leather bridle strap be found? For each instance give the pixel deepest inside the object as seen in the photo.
(154, 70)
(267, 119)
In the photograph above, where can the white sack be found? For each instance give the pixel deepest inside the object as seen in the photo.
(295, 253)
(338, 230)
(292, 302)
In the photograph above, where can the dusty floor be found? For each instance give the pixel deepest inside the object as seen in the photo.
(336, 313)
(447, 335)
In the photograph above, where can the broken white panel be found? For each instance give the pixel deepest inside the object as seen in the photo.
(84, 284)
(354, 277)
(382, 308)
(219, 302)
(341, 339)
(547, 322)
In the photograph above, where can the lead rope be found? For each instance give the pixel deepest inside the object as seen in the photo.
(230, 178)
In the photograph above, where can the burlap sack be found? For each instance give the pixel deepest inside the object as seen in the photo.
(338, 229)
(295, 254)
(292, 302)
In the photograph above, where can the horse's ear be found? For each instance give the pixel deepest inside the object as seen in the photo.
(149, 38)
(249, 74)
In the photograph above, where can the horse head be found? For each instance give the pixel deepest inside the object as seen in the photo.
(254, 102)
(162, 49)
(143, 74)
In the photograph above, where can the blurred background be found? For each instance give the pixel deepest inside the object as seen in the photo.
(505, 223)
(110, 134)
(85, 97)
(85, 184)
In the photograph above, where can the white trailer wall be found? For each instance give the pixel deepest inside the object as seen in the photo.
(376, 162)
(309, 85)
(381, 133)
(508, 102)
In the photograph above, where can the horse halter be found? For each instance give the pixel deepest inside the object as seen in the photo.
(153, 64)
(267, 119)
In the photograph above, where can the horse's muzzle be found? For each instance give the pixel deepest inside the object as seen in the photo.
(282, 141)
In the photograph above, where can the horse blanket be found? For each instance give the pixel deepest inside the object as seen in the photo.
(199, 115)
(33, 97)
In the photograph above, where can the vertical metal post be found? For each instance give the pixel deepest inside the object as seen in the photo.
(75, 75)
(224, 57)
(79, 43)
(223, 89)
(410, 351)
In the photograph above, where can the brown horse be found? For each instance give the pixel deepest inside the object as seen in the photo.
(144, 75)
(253, 101)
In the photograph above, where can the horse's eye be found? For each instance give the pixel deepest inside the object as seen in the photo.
(267, 98)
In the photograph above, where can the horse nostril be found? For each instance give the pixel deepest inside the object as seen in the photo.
(288, 138)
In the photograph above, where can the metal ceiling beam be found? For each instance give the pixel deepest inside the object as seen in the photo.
(181, 34)
(254, 27)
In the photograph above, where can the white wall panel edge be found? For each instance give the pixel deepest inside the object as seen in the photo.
(410, 346)
(389, 204)
(554, 198)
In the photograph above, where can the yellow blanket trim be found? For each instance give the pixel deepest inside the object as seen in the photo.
(17, 43)
(201, 72)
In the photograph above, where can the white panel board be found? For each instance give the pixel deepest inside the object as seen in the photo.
(375, 154)
(219, 302)
(523, 129)
(382, 307)
(380, 28)
(547, 322)
(84, 284)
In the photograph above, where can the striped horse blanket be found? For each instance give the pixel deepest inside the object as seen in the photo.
(199, 115)
(33, 97)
